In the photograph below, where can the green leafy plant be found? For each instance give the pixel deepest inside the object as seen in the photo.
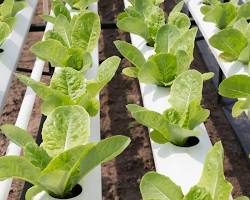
(145, 18)
(69, 87)
(64, 157)
(176, 124)
(71, 41)
(174, 53)
(8, 10)
(80, 4)
(237, 86)
(224, 14)
(212, 184)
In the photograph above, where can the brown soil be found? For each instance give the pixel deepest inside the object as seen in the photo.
(121, 176)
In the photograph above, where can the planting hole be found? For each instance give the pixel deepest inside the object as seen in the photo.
(150, 45)
(76, 191)
(1, 50)
(191, 141)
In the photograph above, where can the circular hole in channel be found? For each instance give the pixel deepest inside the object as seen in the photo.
(76, 191)
(1, 50)
(191, 141)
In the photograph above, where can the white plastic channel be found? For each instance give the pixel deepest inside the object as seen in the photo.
(91, 191)
(183, 165)
(12, 48)
(208, 29)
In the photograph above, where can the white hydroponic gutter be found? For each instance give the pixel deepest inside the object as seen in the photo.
(208, 29)
(12, 47)
(182, 164)
(91, 191)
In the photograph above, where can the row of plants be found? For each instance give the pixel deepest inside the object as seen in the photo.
(66, 154)
(232, 39)
(8, 11)
(172, 42)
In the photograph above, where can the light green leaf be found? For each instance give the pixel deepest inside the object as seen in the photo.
(51, 34)
(4, 31)
(67, 164)
(6, 8)
(155, 186)
(213, 179)
(180, 20)
(242, 198)
(52, 51)
(131, 53)
(241, 106)
(79, 59)
(17, 135)
(158, 137)
(236, 86)
(186, 88)
(178, 7)
(91, 104)
(18, 6)
(69, 82)
(106, 71)
(48, 18)
(86, 31)
(36, 155)
(65, 128)
(207, 76)
(165, 38)
(104, 151)
(230, 41)
(198, 193)
(18, 167)
(61, 26)
(130, 71)
(33, 191)
(244, 11)
(60, 9)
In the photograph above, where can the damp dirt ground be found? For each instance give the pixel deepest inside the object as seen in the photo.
(121, 177)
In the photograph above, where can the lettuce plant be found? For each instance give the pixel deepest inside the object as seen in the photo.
(79, 4)
(145, 18)
(71, 41)
(237, 86)
(234, 42)
(176, 124)
(212, 184)
(224, 14)
(69, 87)
(8, 10)
(174, 53)
(64, 157)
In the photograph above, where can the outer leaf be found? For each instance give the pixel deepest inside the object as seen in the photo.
(242, 198)
(61, 26)
(18, 167)
(130, 71)
(106, 71)
(236, 86)
(244, 11)
(4, 31)
(86, 31)
(52, 51)
(241, 106)
(36, 155)
(180, 20)
(213, 179)
(51, 34)
(67, 163)
(178, 7)
(17, 135)
(131, 53)
(60, 9)
(155, 186)
(6, 8)
(230, 41)
(33, 191)
(65, 128)
(133, 25)
(104, 151)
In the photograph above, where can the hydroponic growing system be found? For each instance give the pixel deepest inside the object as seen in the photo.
(65, 160)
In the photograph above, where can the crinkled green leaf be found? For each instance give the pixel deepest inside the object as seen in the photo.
(51, 34)
(212, 178)
(230, 41)
(65, 128)
(61, 26)
(6, 8)
(69, 82)
(18, 167)
(17, 135)
(180, 20)
(60, 9)
(198, 193)
(155, 186)
(36, 155)
(79, 59)
(86, 31)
